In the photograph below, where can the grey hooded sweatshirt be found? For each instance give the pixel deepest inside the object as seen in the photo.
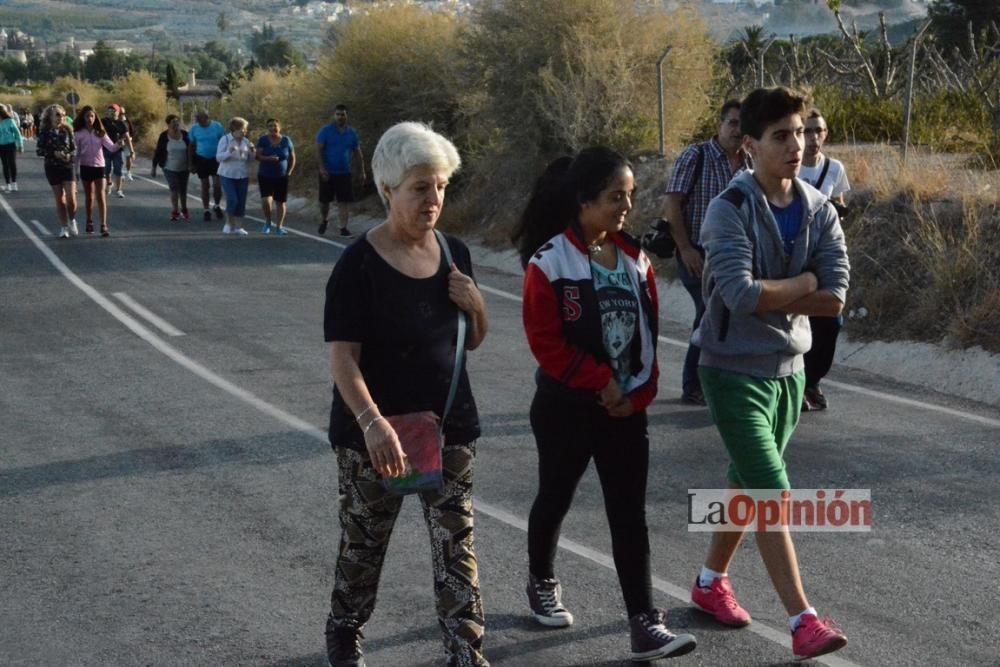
(743, 246)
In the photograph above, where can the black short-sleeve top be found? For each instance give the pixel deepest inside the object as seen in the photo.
(407, 329)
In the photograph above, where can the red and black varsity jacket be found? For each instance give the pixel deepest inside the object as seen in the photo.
(563, 322)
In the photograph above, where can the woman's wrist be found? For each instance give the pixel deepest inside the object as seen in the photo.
(361, 414)
(372, 423)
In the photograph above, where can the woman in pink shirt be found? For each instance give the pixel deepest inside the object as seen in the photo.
(90, 140)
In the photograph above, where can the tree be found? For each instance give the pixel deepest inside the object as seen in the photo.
(171, 80)
(105, 63)
(279, 53)
(952, 17)
(12, 71)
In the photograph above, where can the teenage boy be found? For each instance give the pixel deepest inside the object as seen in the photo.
(775, 254)
(700, 173)
(116, 129)
(829, 177)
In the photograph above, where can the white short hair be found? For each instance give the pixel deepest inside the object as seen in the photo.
(405, 146)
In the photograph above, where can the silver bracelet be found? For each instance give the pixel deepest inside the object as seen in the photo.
(370, 424)
(364, 412)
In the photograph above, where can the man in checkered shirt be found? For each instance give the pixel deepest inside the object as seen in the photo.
(685, 207)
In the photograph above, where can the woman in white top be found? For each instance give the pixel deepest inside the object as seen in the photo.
(233, 154)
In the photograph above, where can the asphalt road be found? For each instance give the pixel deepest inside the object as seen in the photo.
(168, 497)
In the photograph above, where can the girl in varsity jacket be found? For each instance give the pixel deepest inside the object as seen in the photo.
(590, 315)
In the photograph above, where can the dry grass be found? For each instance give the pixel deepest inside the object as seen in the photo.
(924, 241)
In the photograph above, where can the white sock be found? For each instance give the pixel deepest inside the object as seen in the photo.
(793, 621)
(707, 576)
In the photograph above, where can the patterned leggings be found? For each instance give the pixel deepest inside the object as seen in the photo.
(367, 515)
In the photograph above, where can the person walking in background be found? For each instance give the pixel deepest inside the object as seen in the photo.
(591, 317)
(701, 172)
(204, 138)
(128, 150)
(172, 154)
(11, 143)
(775, 254)
(276, 155)
(27, 124)
(830, 178)
(233, 154)
(92, 144)
(392, 320)
(337, 143)
(118, 132)
(55, 144)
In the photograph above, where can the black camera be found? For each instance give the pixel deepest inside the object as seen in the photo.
(658, 240)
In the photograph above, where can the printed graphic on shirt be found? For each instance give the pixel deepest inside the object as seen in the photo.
(619, 309)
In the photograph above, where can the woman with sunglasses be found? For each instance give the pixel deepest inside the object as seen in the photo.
(56, 145)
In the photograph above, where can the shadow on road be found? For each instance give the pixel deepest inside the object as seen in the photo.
(272, 449)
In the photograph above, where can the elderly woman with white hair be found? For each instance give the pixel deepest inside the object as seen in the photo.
(233, 154)
(392, 318)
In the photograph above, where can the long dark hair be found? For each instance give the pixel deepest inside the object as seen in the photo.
(80, 122)
(555, 200)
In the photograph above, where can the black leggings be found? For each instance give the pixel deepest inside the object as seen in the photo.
(819, 358)
(568, 436)
(8, 155)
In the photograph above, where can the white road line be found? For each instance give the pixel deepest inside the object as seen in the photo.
(301, 425)
(41, 228)
(149, 316)
(891, 398)
(158, 343)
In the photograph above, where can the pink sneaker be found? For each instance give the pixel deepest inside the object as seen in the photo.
(719, 601)
(816, 636)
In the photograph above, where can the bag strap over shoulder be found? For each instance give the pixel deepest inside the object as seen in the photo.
(822, 173)
(699, 166)
(459, 339)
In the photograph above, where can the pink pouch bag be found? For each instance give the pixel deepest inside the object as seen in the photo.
(421, 434)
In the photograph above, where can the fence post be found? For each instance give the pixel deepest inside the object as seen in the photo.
(909, 88)
(659, 95)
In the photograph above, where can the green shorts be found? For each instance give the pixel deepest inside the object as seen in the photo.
(756, 418)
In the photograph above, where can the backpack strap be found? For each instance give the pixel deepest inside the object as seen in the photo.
(699, 166)
(822, 174)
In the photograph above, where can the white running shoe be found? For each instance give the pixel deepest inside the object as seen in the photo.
(7, 188)
(240, 231)
(13, 187)
(73, 229)
(64, 233)
(227, 228)
(121, 195)
(130, 176)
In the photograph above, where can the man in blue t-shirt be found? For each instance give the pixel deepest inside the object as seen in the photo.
(204, 138)
(337, 144)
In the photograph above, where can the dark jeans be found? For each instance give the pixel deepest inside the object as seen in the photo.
(8, 155)
(689, 378)
(568, 435)
(819, 358)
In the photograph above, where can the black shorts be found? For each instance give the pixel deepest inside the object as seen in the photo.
(205, 166)
(273, 186)
(88, 174)
(59, 174)
(336, 188)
